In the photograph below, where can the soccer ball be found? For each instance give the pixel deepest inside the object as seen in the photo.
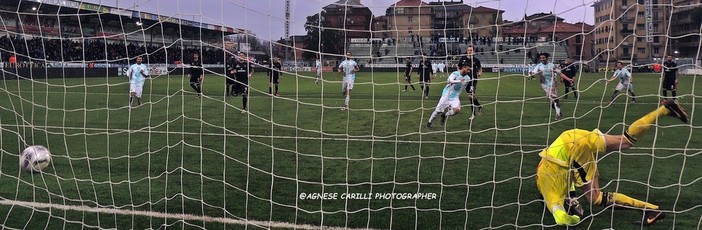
(34, 158)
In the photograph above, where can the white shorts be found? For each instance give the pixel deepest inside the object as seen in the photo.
(446, 102)
(346, 85)
(550, 91)
(629, 87)
(136, 89)
(434, 70)
(441, 69)
(319, 72)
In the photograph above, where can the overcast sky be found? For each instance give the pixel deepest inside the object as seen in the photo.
(266, 17)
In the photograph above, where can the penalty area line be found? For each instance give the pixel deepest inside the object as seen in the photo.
(186, 217)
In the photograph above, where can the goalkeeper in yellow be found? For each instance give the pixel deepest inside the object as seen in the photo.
(571, 160)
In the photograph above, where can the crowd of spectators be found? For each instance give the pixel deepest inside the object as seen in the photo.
(98, 50)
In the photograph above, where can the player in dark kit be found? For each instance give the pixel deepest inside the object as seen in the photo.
(476, 69)
(408, 75)
(425, 76)
(670, 79)
(243, 73)
(570, 70)
(274, 76)
(196, 75)
(231, 76)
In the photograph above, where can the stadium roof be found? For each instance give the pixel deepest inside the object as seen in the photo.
(83, 6)
(409, 3)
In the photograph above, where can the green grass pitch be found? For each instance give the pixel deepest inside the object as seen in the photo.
(180, 154)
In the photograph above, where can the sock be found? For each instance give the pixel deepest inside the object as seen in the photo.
(675, 93)
(557, 108)
(451, 112)
(641, 126)
(244, 100)
(567, 89)
(270, 90)
(665, 93)
(413, 89)
(196, 87)
(276, 89)
(614, 95)
(346, 101)
(426, 90)
(633, 96)
(131, 98)
(607, 198)
(405, 87)
(433, 115)
(575, 92)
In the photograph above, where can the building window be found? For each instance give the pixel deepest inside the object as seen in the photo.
(656, 39)
(626, 51)
(655, 28)
(410, 19)
(578, 38)
(640, 27)
(639, 39)
(640, 15)
(656, 50)
(641, 2)
(577, 50)
(399, 10)
(641, 50)
(624, 3)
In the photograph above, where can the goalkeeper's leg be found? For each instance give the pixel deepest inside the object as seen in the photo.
(552, 181)
(597, 197)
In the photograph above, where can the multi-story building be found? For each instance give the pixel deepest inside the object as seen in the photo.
(684, 29)
(446, 20)
(380, 27)
(409, 17)
(630, 30)
(482, 21)
(349, 16)
(543, 27)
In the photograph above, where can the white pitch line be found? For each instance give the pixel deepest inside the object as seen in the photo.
(188, 217)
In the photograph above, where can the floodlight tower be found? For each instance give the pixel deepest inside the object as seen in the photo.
(287, 27)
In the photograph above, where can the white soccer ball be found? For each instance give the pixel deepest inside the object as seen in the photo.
(34, 158)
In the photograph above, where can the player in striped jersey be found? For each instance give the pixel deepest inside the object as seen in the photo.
(548, 72)
(625, 81)
(455, 85)
(137, 74)
(348, 68)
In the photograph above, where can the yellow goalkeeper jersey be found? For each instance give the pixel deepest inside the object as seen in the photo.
(577, 150)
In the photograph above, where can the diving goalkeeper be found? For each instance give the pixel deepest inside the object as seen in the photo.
(572, 160)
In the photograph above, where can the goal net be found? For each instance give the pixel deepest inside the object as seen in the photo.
(311, 142)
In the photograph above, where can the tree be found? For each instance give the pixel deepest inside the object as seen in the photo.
(321, 37)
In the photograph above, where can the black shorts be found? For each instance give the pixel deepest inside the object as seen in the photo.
(424, 78)
(230, 80)
(470, 87)
(668, 83)
(195, 79)
(241, 88)
(568, 84)
(274, 79)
